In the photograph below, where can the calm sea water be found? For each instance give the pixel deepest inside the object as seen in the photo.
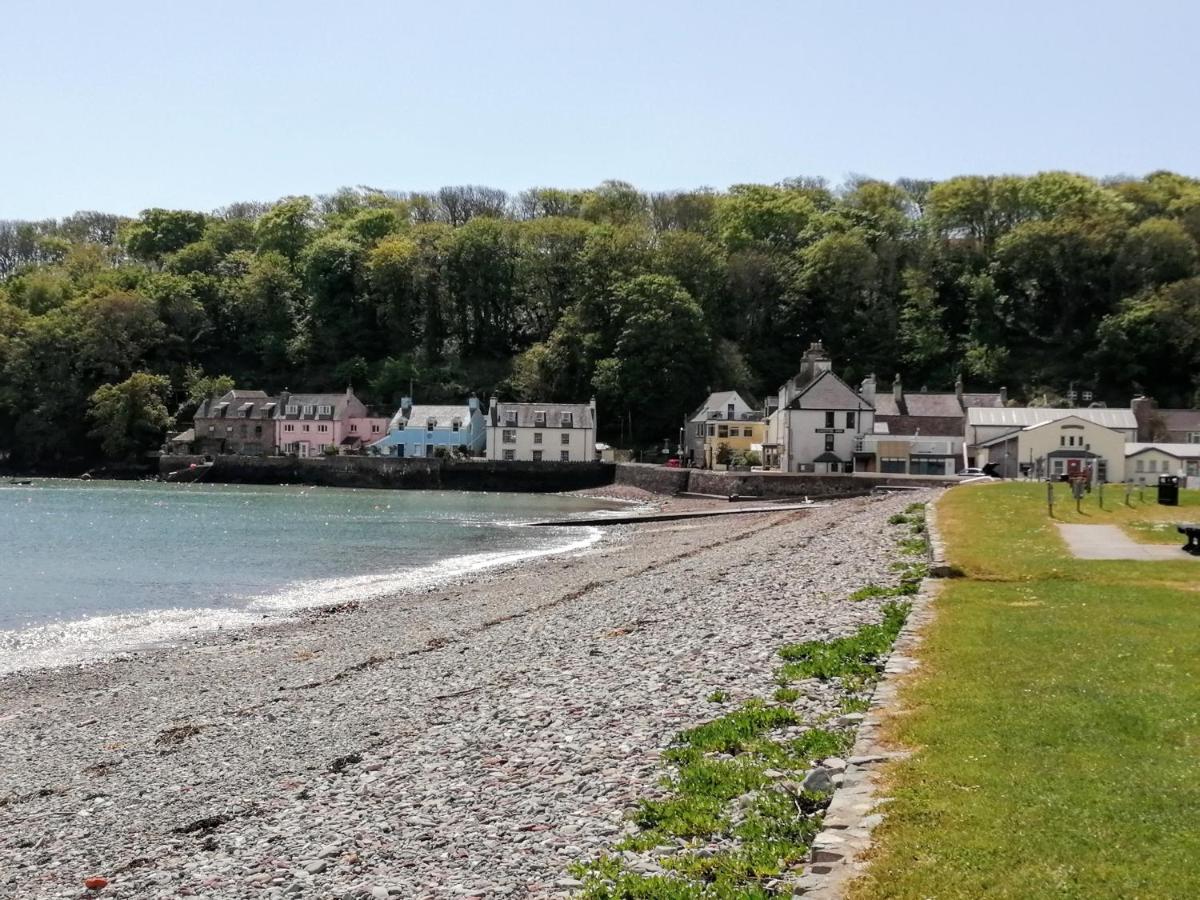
(90, 568)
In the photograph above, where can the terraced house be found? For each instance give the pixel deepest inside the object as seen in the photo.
(422, 430)
(724, 419)
(238, 422)
(541, 432)
(317, 424)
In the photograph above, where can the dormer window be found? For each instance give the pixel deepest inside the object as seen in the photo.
(539, 419)
(455, 425)
(324, 410)
(291, 410)
(429, 423)
(567, 420)
(729, 411)
(308, 409)
(510, 419)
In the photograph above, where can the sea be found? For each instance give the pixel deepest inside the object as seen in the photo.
(93, 568)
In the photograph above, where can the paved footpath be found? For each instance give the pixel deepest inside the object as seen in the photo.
(1110, 542)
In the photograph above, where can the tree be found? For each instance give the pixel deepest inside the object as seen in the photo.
(131, 417)
(157, 232)
(286, 228)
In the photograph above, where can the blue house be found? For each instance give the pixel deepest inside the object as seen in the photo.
(420, 430)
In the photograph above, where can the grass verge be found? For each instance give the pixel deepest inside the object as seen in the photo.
(1056, 721)
(1138, 514)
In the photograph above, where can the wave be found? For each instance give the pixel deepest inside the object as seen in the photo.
(98, 638)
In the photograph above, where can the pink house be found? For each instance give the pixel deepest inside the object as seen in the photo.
(310, 424)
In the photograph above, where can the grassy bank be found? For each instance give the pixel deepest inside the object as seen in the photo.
(1137, 512)
(1056, 719)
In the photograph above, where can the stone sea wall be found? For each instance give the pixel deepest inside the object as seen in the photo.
(416, 474)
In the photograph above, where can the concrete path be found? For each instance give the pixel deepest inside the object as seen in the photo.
(1110, 542)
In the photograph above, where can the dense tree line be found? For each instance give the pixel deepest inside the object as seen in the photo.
(645, 300)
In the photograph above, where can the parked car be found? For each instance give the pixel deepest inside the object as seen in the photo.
(672, 463)
(971, 470)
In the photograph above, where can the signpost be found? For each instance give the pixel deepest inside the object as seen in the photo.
(1050, 497)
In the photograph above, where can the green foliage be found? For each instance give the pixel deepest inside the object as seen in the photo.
(647, 300)
(131, 417)
(718, 696)
(856, 655)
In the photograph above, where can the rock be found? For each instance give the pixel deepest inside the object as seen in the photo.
(316, 867)
(834, 764)
(849, 719)
(818, 781)
(95, 883)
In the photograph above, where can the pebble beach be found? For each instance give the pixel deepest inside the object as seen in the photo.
(469, 740)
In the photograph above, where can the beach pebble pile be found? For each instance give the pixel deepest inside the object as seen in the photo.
(468, 741)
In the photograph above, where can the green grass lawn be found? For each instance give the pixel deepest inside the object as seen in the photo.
(1056, 720)
(1141, 518)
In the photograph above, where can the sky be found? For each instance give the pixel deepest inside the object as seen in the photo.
(119, 106)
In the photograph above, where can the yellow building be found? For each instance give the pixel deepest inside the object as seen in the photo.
(740, 436)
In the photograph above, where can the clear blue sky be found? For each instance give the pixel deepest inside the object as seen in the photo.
(124, 105)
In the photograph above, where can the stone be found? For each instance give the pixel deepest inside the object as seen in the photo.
(316, 867)
(818, 781)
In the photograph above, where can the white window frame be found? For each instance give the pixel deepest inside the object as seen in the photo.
(510, 455)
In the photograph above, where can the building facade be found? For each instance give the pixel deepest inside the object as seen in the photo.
(321, 424)
(725, 418)
(419, 431)
(238, 422)
(817, 420)
(1165, 426)
(541, 432)
(1054, 447)
(1145, 462)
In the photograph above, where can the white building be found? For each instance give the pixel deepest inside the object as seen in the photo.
(541, 432)
(1145, 462)
(817, 421)
(983, 423)
(1059, 445)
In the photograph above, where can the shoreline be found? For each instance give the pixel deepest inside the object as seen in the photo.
(465, 740)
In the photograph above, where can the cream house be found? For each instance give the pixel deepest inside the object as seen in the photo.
(1061, 445)
(541, 432)
(1145, 462)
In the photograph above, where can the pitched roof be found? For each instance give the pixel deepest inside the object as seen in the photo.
(1179, 419)
(442, 415)
(236, 404)
(827, 457)
(581, 414)
(1024, 416)
(717, 402)
(827, 391)
(935, 404)
(1179, 451)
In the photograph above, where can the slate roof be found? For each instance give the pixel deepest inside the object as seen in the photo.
(420, 414)
(827, 391)
(235, 404)
(581, 414)
(828, 457)
(339, 402)
(1024, 416)
(1179, 451)
(1179, 419)
(717, 402)
(939, 405)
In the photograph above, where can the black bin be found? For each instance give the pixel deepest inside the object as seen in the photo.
(1168, 490)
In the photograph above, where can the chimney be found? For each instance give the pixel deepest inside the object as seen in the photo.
(958, 388)
(1004, 396)
(1143, 411)
(897, 389)
(493, 410)
(813, 363)
(867, 390)
(406, 407)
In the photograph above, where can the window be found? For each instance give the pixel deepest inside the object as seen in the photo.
(308, 409)
(289, 427)
(211, 429)
(712, 430)
(539, 419)
(849, 420)
(537, 437)
(291, 410)
(1141, 465)
(747, 432)
(1193, 468)
(564, 456)
(306, 428)
(258, 429)
(700, 430)
(354, 426)
(324, 410)
(829, 443)
(429, 449)
(510, 455)
(829, 418)
(564, 438)
(375, 429)
(508, 436)
(1062, 440)
(722, 431)
(1193, 437)
(429, 425)
(510, 418)
(537, 455)
(1058, 467)
(1087, 396)
(322, 428)
(729, 411)
(455, 425)
(892, 464)
(568, 420)
(1153, 465)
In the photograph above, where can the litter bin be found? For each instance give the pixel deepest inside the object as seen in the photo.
(1168, 490)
